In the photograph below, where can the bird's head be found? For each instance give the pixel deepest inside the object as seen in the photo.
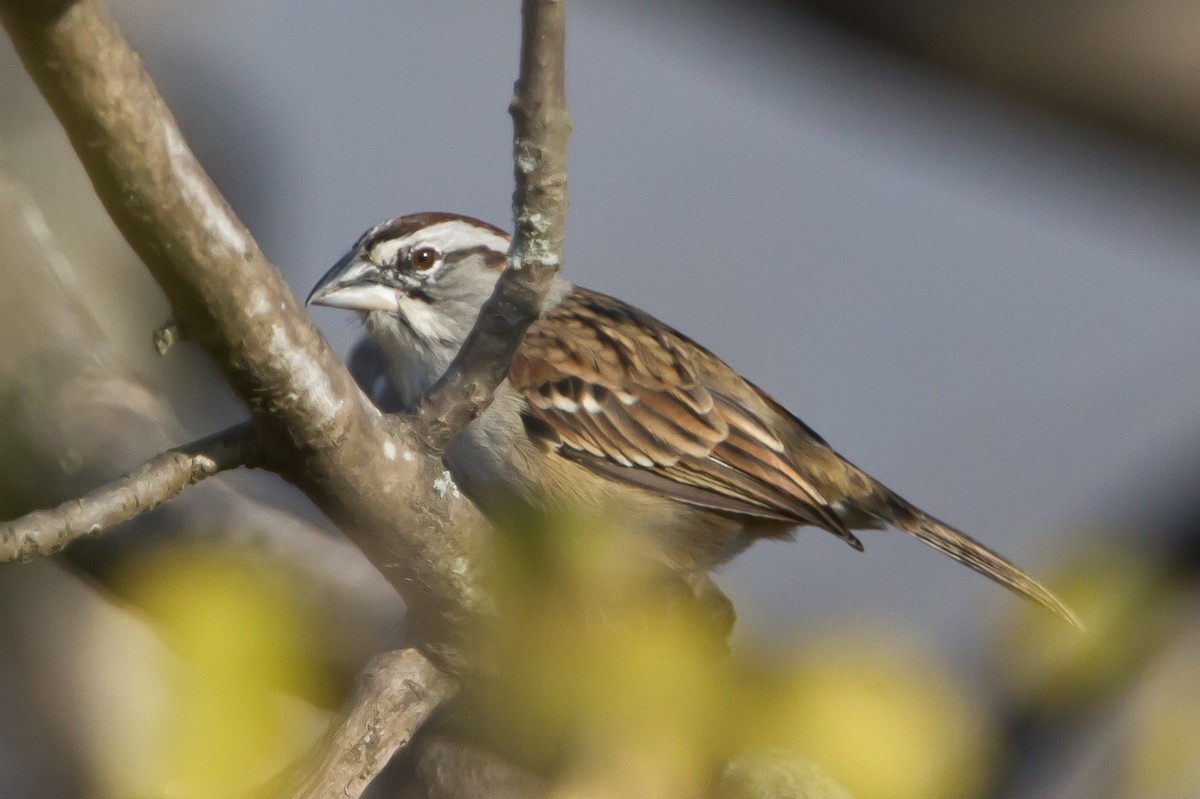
(421, 278)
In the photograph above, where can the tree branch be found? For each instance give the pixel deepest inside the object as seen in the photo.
(541, 128)
(449, 768)
(224, 292)
(313, 426)
(74, 412)
(396, 694)
(368, 473)
(45, 532)
(311, 423)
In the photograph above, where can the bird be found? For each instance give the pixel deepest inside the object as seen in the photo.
(605, 407)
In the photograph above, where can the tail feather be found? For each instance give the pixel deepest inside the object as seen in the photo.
(970, 552)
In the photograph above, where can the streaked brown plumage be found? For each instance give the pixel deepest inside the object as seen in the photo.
(627, 396)
(606, 406)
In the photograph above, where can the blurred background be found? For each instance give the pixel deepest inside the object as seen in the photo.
(959, 239)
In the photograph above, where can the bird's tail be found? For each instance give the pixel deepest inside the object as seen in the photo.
(960, 546)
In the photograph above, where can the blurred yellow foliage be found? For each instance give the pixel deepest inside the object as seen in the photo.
(1123, 597)
(1165, 741)
(223, 721)
(883, 715)
(605, 671)
(609, 671)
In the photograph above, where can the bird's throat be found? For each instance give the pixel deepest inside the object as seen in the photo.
(414, 364)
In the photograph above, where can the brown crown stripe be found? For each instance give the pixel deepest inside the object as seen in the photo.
(407, 225)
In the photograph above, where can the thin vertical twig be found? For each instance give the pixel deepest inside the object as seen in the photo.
(541, 130)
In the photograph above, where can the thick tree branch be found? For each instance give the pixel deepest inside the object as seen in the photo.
(367, 472)
(541, 127)
(74, 412)
(372, 475)
(45, 532)
(224, 292)
(396, 693)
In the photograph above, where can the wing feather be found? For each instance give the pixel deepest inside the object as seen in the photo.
(623, 394)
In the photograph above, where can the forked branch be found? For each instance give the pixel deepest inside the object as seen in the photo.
(312, 424)
(373, 475)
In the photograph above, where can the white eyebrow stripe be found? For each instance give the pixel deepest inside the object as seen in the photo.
(454, 234)
(385, 252)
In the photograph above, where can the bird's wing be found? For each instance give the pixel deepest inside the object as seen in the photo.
(622, 393)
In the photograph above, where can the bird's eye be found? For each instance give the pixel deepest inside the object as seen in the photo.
(424, 258)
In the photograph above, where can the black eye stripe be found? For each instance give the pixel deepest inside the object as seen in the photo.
(391, 276)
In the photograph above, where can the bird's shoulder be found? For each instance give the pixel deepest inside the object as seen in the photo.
(607, 341)
(610, 386)
(603, 341)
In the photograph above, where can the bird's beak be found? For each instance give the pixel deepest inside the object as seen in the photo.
(353, 284)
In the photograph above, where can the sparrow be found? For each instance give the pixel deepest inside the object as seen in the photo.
(607, 408)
